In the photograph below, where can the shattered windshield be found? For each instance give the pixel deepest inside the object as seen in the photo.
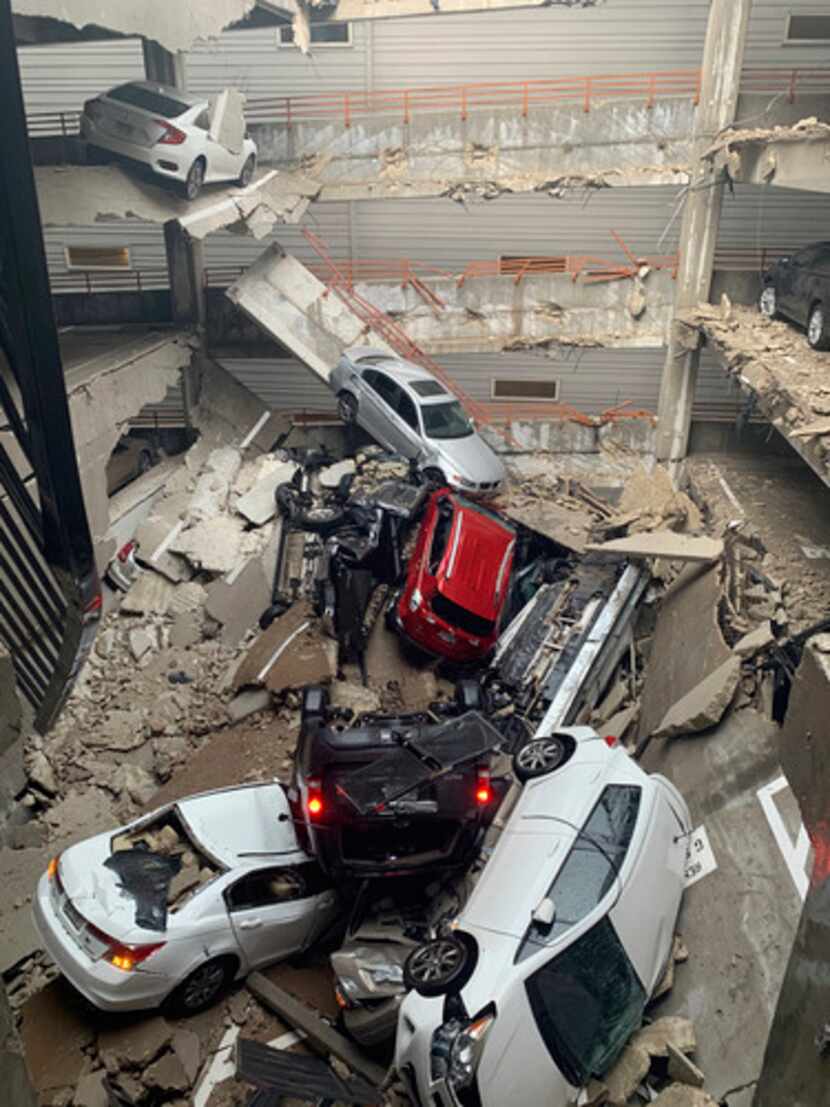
(446, 421)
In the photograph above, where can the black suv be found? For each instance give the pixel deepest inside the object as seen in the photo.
(392, 794)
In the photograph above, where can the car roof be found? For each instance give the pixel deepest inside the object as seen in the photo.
(164, 90)
(403, 370)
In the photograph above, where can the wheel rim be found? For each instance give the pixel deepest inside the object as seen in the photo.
(815, 326)
(346, 409)
(540, 756)
(435, 962)
(203, 985)
(144, 464)
(768, 301)
(194, 179)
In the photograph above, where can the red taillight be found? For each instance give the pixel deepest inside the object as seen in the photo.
(125, 551)
(484, 793)
(610, 740)
(314, 802)
(127, 957)
(172, 135)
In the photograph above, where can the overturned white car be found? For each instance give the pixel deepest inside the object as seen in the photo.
(563, 940)
(171, 908)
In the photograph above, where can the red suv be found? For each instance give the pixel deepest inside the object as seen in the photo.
(458, 579)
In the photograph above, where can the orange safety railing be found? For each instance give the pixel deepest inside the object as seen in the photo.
(521, 96)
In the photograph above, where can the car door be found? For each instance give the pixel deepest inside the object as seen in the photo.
(275, 911)
(374, 413)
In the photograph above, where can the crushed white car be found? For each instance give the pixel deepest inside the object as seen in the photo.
(168, 131)
(565, 937)
(173, 907)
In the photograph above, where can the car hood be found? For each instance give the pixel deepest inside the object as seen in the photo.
(480, 557)
(470, 457)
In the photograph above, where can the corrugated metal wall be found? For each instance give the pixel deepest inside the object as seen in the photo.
(282, 383)
(145, 240)
(60, 77)
(253, 62)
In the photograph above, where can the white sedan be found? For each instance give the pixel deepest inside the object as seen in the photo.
(167, 130)
(173, 907)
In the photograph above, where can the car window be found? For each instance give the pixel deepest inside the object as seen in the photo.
(446, 420)
(406, 410)
(266, 887)
(458, 616)
(587, 1001)
(202, 120)
(427, 388)
(148, 100)
(381, 384)
(591, 867)
(441, 534)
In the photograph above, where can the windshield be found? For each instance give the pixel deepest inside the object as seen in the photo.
(446, 421)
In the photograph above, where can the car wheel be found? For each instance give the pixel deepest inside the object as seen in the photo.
(273, 611)
(435, 478)
(246, 176)
(440, 966)
(200, 989)
(818, 333)
(541, 756)
(145, 462)
(347, 407)
(321, 518)
(768, 302)
(195, 179)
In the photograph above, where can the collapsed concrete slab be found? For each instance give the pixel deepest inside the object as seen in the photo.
(291, 305)
(787, 155)
(665, 544)
(704, 706)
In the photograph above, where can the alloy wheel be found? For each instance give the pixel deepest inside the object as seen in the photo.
(542, 755)
(203, 984)
(195, 180)
(435, 961)
(815, 327)
(768, 302)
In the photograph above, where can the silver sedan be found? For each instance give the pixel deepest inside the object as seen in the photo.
(409, 412)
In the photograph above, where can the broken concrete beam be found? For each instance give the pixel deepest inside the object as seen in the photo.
(290, 653)
(320, 1036)
(755, 641)
(681, 1095)
(227, 120)
(259, 504)
(705, 704)
(238, 600)
(663, 543)
(153, 539)
(682, 1069)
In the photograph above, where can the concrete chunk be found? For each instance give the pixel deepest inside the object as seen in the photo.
(136, 1044)
(705, 704)
(663, 543)
(331, 477)
(622, 1080)
(239, 604)
(248, 702)
(167, 1074)
(188, 1049)
(682, 1069)
(755, 641)
(122, 730)
(227, 120)
(674, 1029)
(212, 545)
(91, 1091)
(681, 1095)
(258, 505)
(150, 595)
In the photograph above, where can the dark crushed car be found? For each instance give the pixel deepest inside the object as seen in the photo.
(797, 287)
(391, 795)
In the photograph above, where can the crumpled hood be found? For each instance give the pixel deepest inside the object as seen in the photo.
(96, 893)
(470, 457)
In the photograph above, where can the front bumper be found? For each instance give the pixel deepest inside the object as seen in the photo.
(104, 986)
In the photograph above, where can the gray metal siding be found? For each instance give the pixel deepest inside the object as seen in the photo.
(282, 383)
(329, 221)
(61, 76)
(758, 216)
(145, 240)
(253, 62)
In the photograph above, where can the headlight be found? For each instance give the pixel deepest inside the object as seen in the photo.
(416, 599)
(462, 482)
(387, 974)
(456, 1050)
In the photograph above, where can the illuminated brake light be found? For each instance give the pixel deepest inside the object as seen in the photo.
(314, 802)
(172, 135)
(484, 792)
(610, 740)
(127, 957)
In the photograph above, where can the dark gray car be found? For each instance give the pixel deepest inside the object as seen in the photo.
(411, 413)
(798, 288)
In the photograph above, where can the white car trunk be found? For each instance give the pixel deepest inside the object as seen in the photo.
(128, 124)
(94, 896)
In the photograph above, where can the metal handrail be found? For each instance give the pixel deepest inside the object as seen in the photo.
(348, 105)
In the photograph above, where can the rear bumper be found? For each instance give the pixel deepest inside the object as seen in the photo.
(462, 651)
(105, 987)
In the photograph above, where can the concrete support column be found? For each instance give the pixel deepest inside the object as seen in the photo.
(723, 54)
(163, 66)
(186, 269)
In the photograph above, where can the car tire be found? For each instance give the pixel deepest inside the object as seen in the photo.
(818, 328)
(321, 518)
(195, 179)
(541, 756)
(435, 478)
(273, 611)
(768, 302)
(440, 966)
(347, 407)
(199, 990)
(145, 462)
(247, 174)
(287, 499)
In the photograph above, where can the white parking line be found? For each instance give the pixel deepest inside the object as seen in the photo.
(795, 854)
(222, 1066)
